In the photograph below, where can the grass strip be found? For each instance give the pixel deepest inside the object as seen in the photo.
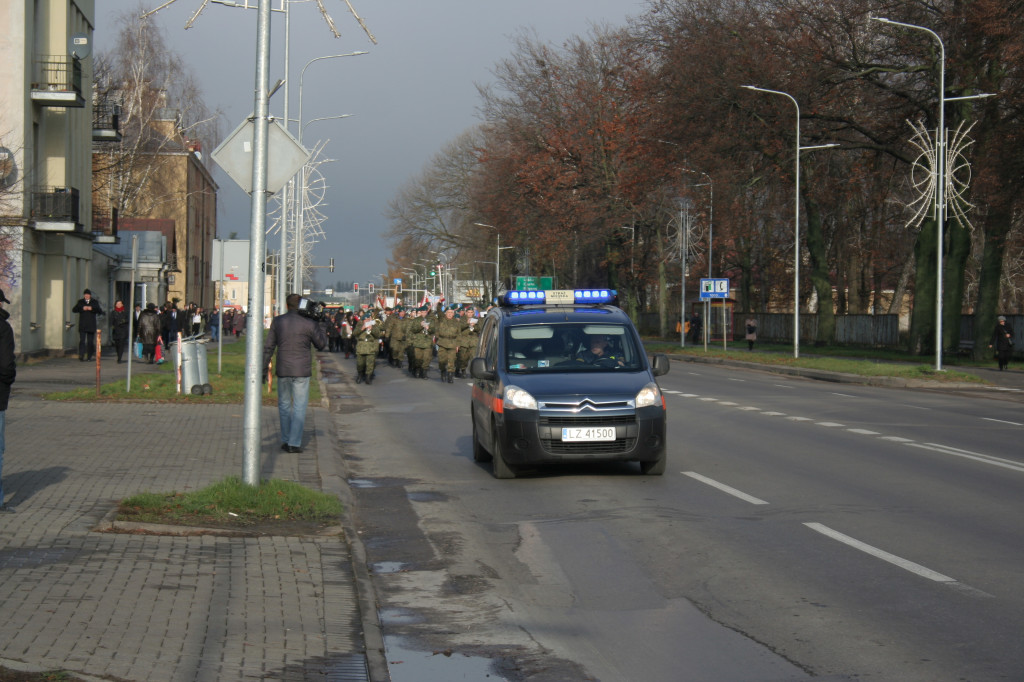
(866, 363)
(232, 501)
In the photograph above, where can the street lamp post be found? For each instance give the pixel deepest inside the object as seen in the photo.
(938, 174)
(497, 256)
(710, 184)
(297, 268)
(684, 233)
(796, 222)
(938, 178)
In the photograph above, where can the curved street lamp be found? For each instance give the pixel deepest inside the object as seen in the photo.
(297, 258)
(796, 222)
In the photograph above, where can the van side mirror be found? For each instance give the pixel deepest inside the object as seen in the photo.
(660, 364)
(478, 369)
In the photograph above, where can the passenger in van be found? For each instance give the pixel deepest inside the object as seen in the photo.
(598, 351)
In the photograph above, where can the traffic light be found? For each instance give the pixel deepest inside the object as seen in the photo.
(398, 287)
(370, 287)
(332, 265)
(433, 273)
(355, 287)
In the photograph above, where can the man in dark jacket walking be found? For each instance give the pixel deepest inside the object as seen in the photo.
(7, 373)
(87, 308)
(291, 335)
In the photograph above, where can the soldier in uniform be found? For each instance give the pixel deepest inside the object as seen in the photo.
(447, 330)
(366, 336)
(422, 342)
(411, 324)
(467, 343)
(396, 334)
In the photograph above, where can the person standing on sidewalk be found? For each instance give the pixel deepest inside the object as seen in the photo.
(291, 335)
(1002, 341)
(8, 369)
(751, 328)
(119, 329)
(87, 309)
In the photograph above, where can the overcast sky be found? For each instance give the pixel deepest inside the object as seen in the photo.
(413, 92)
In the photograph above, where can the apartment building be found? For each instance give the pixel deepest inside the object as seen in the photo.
(46, 133)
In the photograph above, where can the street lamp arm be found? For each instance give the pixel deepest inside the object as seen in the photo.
(322, 118)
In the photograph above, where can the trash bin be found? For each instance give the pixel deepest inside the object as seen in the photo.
(194, 373)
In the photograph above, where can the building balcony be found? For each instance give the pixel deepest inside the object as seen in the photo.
(106, 122)
(55, 209)
(58, 82)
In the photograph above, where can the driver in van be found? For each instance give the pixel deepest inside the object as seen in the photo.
(598, 350)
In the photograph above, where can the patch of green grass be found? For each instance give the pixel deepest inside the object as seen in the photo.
(866, 363)
(157, 382)
(232, 502)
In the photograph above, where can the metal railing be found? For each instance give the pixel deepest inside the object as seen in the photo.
(58, 73)
(56, 203)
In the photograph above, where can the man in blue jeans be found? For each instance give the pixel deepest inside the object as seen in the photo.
(291, 335)
(7, 372)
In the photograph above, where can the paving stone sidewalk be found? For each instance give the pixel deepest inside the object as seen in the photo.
(145, 607)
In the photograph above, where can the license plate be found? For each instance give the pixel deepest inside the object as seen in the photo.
(588, 434)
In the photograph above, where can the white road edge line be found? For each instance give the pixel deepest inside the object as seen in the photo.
(905, 564)
(724, 488)
(967, 454)
(1001, 421)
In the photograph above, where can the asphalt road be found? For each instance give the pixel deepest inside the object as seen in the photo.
(803, 528)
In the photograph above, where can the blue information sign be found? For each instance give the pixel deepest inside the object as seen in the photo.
(713, 288)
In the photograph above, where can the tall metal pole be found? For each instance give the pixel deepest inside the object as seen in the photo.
(796, 224)
(682, 279)
(131, 313)
(257, 254)
(280, 274)
(939, 180)
(299, 218)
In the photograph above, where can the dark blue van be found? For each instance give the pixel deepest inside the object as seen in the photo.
(562, 376)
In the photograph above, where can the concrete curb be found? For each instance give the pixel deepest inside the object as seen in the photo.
(334, 480)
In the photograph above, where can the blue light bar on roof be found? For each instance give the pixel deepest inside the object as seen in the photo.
(560, 297)
(524, 297)
(594, 295)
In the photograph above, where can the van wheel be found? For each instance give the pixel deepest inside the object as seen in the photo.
(479, 453)
(501, 468)
(655, 468)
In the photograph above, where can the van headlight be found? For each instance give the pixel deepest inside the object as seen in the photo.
(517, 398)
(649, 396)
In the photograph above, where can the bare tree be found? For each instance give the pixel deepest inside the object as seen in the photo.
(161, 112)
(10, 216)
(433, 210)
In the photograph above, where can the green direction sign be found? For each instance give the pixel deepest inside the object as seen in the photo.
(534, 283)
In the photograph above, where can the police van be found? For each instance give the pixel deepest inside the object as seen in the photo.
(562, 376)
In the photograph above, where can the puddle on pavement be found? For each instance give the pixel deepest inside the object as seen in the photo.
(382, 567)
(362, 483)
(398, 617)
(409, 665)
(427, 497)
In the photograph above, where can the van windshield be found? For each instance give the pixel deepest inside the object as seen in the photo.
(584, 347)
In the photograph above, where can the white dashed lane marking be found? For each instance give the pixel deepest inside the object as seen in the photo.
(944, 449)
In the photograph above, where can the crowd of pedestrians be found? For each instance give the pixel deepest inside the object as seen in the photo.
(155, 327)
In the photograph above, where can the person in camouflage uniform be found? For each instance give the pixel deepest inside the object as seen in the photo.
(422, 342)
(467, 343)
(366, 338)
(394, 331)
(447, 330)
